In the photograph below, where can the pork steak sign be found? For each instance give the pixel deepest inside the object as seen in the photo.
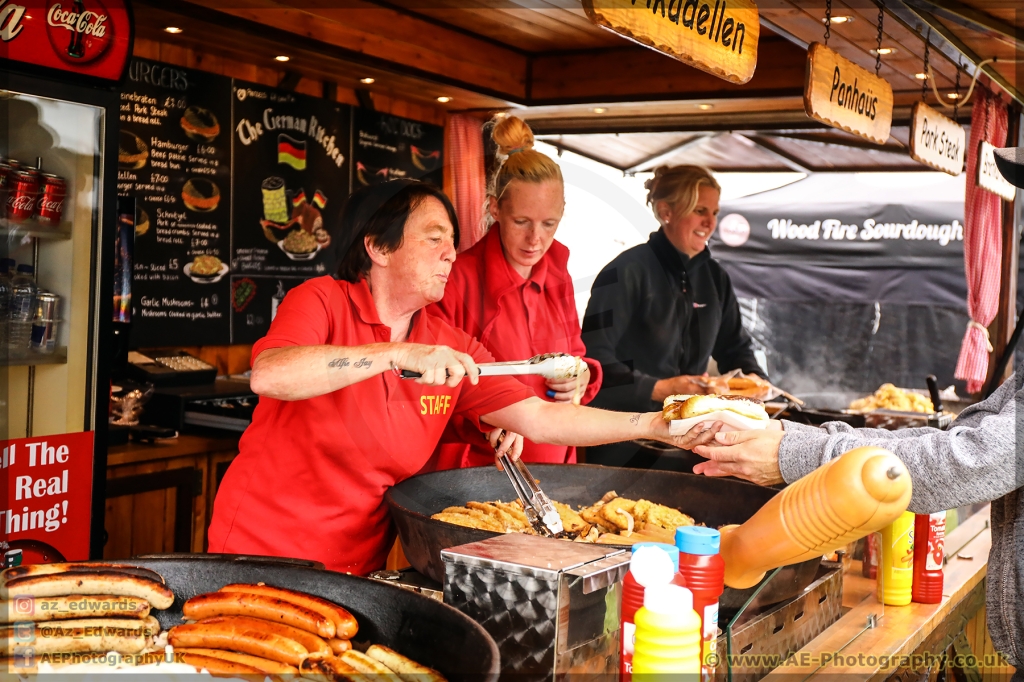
(937, 141)
(85, 37)
(716, 36)
(843, 95)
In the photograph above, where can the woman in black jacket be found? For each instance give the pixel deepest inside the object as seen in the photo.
(660, 310)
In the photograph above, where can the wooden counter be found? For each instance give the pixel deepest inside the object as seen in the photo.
(914, 630)
(160, 496)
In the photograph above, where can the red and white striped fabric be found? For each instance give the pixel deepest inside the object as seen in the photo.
(983, 243)
(465, 153)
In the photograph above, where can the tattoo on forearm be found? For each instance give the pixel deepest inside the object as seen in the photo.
(338, 363)
(635, 419)
(362, 362)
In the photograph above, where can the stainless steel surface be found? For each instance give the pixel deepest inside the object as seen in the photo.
(767, 639)
(552, 606)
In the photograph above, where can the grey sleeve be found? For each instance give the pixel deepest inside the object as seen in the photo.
(974, 461)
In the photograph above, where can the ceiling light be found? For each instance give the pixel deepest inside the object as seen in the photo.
(705, 107)
(921, 76)
(282, 58)
(444, 99)
(883, 51)
(841, 19)
(599, 110)
(173, 29)
(953, 95)
(366, 81)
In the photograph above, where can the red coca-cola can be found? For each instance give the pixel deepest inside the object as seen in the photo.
(51, 199)
(5, 170)
(23, 190)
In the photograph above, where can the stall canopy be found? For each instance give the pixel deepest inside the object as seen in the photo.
(850, 281)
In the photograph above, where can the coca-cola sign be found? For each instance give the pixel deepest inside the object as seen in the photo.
(77, 30)
(51, 205)
(90, 37)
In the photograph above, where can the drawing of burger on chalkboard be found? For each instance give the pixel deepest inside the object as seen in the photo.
(200, 194)
(200, 124)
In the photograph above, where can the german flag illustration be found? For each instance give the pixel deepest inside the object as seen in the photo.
(291, 152)
(319, 200)
(299, 198)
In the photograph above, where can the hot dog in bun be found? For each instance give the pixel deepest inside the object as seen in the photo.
(687, 406)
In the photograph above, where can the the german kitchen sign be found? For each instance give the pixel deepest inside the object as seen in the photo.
(716, 36)
(937, 141)
(87, 37)
(843, 95)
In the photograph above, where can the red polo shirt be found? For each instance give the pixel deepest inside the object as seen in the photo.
(310, 475)
(515, 319)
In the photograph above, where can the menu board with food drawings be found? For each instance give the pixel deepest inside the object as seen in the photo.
(254, 302)
(290, 182)
(386, 147)
(174, 156)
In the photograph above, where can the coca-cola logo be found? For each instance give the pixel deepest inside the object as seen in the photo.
(51, 205)
(79, 30)
(21, 202)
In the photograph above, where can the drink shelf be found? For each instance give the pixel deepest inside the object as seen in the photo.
(31, 228)
(29, 357)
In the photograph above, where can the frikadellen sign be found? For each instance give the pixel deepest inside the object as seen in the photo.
(85, 37)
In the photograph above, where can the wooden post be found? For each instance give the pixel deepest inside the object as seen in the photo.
(1006, 316)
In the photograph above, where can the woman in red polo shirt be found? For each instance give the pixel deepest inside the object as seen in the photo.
(336, 427)
(512, 291)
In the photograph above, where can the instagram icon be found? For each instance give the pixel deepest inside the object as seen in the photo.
(24, 606)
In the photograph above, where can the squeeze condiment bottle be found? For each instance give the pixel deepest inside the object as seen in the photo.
(929, 541)
(667, 633)
(869, 565)
(645, 569)
(896, 561)
(701, 565)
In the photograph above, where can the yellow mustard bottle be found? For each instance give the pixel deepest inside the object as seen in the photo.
(896, 564)
(668, 633)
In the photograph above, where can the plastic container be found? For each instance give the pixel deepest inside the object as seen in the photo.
(23, 299)
(929, 543)
(869, 566)
(701, 565)
(633, 597)
(667, 633)
(896, 562)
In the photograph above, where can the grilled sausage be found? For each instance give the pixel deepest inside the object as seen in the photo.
(240, 637)
(368, 666)
(123, 635)
(218, 666)
(96, 583)
(333, 669)
(406, 668)
(339, 646)
(72, 606)
(264, 665)
(344, 622)
(52, 569)
(316, 646)
(258, 606)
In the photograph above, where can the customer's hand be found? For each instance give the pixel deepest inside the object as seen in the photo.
(562, 390)
(750, 455)
(505, 442)
(683, 384)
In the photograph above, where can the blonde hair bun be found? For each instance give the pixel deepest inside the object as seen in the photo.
(678, 186)
(512, 134)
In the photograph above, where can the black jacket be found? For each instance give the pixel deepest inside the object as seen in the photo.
(654, 313)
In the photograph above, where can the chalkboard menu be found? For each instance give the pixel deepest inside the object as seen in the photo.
(386, 147)
(174, 158)
(291, 179)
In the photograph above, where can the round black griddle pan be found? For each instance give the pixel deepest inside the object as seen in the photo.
(714, 502)
(418, 627)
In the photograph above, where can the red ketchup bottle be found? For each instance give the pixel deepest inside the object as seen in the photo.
(652, 563)
(702, 567)
(929, 542)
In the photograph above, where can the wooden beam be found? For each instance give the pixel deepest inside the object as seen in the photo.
(636, 73)
(289, 80)
(1006, 314)
(972, 19)
(656, 159)
(789, 160)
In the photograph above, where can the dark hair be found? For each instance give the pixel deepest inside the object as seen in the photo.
(380, 212)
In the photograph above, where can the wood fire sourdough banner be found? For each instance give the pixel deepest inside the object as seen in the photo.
(843, 95)
(716, 36)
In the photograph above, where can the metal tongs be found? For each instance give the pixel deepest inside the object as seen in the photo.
(541, 514)
(547, 365)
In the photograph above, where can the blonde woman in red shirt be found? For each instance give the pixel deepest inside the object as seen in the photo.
(512, 291)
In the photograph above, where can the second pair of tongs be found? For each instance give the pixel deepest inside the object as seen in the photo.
(540, 512)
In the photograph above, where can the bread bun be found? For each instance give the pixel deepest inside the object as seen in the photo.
(685, 407)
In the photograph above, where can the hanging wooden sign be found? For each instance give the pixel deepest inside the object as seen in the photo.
(716, 36)
(843, 95)
(937, 141)
(989, 176)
